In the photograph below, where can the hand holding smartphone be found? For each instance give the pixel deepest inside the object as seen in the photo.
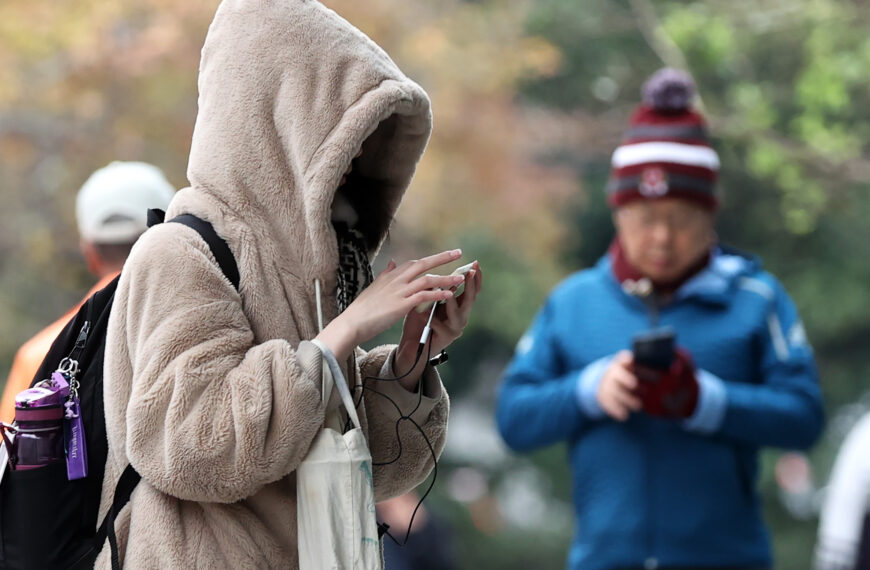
(459, 290)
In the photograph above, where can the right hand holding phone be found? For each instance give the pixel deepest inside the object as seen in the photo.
(626, 387)
(394, 293)
(617, 391)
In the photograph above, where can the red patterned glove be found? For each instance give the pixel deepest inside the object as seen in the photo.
(670, 393)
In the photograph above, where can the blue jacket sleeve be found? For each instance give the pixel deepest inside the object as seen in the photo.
(785, 408)
(537, 402)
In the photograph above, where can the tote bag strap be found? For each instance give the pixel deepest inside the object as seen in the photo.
(333, 417)
(339, 382)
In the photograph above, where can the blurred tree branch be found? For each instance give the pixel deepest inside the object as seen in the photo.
(659, 41)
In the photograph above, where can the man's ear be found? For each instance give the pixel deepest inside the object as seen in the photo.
(92, 259)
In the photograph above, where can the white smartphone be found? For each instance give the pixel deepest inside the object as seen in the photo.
(460, 289)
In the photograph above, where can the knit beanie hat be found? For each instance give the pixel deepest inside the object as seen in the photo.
(665, 152)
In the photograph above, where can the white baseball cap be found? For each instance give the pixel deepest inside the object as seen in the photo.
(112, 205)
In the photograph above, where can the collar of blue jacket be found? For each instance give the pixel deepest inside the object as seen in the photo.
(713, 284)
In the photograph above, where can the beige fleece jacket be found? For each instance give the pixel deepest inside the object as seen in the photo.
(213, 395)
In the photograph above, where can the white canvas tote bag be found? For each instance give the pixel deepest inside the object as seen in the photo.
(337, 528)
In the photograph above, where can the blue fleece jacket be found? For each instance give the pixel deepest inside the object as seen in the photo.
(664, 492)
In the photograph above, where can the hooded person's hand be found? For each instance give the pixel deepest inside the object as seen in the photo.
(392, 295)
(448, 323)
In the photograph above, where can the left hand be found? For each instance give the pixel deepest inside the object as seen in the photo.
(447, 326)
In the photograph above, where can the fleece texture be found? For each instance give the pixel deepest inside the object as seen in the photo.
(213, 394)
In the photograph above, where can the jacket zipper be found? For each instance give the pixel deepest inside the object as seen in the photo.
(654, 313)
(649, 538)
(81, 340)
(647, 295)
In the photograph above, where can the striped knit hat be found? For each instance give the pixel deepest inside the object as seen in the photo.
(666, 152)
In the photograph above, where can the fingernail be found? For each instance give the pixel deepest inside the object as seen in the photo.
(456, 252)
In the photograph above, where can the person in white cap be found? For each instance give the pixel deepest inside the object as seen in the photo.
(111, 212)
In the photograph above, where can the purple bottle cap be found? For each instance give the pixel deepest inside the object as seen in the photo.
(50, 392)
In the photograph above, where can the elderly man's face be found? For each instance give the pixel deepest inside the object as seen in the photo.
(663, 238)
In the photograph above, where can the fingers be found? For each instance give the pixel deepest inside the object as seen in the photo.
(628, 400)
(425, 296)
(452, 312)
(391, 266)
(624, 358)
(451, 316)
(619, 405)
(412, 269)
(624, 379)
(473, 284)
(433, 282)
(615, 410)
(617, 393)
(447, 331)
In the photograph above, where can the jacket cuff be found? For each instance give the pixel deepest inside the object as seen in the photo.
(310, 360)
(414, 403)
(586, 390)
(712, 403)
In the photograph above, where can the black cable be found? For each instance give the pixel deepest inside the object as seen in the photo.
(405, 417)
(434, 469)
(402, 417)
(347, 424)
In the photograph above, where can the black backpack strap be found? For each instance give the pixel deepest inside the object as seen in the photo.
(123, 490)
(218, 246)
(155, 216)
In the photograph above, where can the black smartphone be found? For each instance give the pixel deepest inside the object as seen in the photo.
(655, 349)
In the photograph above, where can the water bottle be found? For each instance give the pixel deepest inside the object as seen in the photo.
(39, 413)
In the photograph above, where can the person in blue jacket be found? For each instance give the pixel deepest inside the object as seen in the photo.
(665, 461)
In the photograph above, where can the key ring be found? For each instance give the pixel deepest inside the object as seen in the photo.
(68, 367)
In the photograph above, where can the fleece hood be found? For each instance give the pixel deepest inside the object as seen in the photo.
(289, 94)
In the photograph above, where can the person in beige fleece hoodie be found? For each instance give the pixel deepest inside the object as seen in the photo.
(213, 394)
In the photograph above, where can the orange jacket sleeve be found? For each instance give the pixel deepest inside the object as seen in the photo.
(30, 355)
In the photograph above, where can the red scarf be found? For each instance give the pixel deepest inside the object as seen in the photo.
(623, 270)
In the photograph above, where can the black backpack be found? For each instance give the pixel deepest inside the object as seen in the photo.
(47, 521)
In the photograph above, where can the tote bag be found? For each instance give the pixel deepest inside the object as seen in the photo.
(335, 511)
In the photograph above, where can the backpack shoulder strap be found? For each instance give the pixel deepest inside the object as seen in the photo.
(123, 490)
(218, 246)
